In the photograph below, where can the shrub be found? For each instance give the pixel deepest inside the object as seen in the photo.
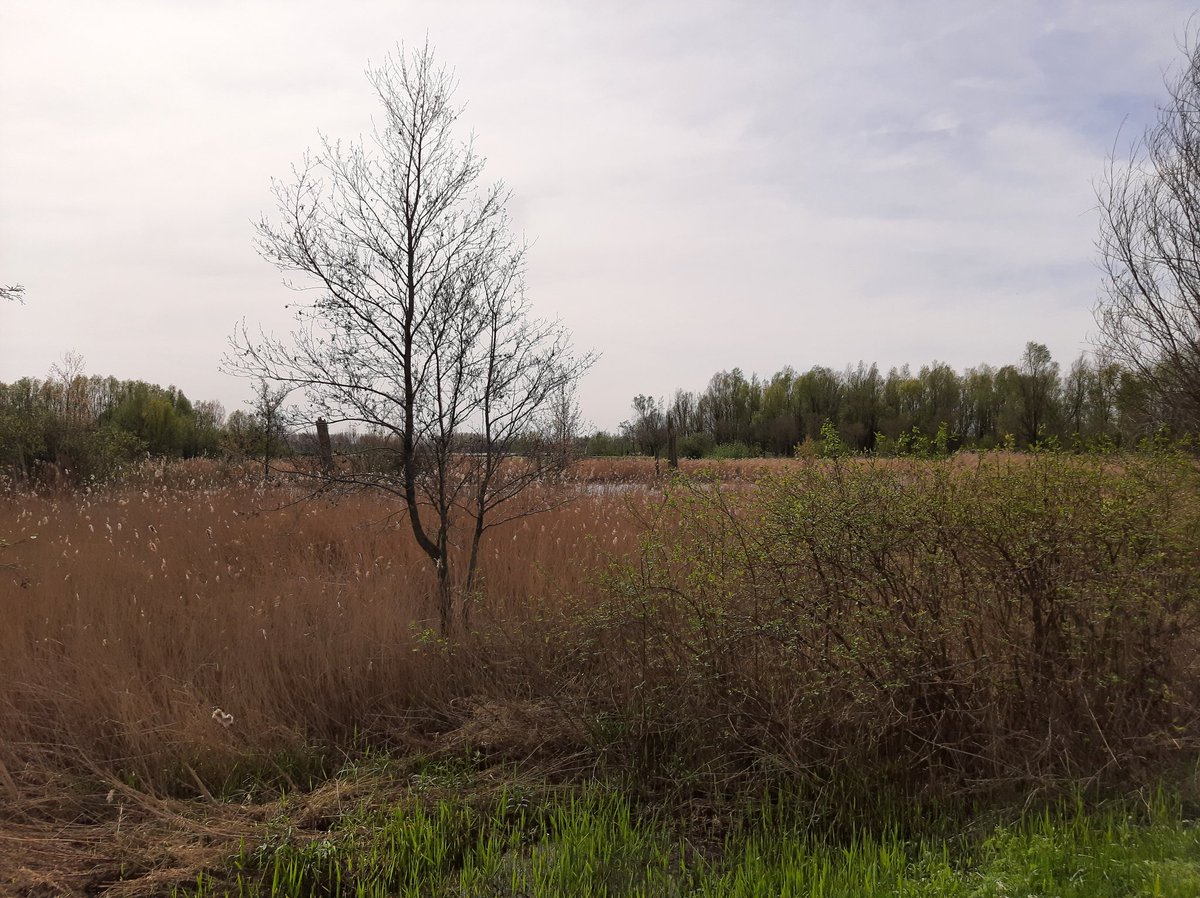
(604, 444)
(696, 445)
(943, 623)
(735, 450)
(832, 444)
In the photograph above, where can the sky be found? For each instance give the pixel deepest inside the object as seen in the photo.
(705, 185)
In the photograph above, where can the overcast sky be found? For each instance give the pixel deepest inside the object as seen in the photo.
(706, 184)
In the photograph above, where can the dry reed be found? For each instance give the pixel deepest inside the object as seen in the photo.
(849, 613)
(130, 616)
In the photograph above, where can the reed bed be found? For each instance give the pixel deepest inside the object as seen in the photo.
(846, 632)
(647, 471)
(130, 616)
(956, 623)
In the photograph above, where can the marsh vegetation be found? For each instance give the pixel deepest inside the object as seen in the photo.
(901, 658)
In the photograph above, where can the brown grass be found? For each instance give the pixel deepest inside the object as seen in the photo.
(876, 622)
(643, 469)
(129, 617)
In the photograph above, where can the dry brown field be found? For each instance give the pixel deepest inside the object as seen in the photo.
(129, 615)
(895, 615)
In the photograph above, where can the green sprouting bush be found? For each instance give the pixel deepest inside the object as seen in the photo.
(915, 444)
(941, 441)
(735, 450)
(832, 444)
(976, 619)
(696, 445)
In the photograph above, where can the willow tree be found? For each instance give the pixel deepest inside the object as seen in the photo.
(416, 326)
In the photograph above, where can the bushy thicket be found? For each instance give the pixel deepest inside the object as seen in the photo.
(955, 623)
(87, 428)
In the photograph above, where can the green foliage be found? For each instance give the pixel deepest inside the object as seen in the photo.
(22, 431)
(915, 444)
(606, 445)
(588, 842)
(730, 451)
(941, 440)
(936, 622)
(106, 450)
(831, 442)
(696, 445)
(927, 413)
(163, 419)
(90, 428)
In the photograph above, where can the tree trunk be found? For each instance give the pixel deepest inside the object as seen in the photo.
(445, 588)
(325, 447)
(445, 598)
(672, 444)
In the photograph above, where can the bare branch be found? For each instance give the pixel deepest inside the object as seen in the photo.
(1149, 246)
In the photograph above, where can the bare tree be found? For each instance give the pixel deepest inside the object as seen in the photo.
(14, 293)
(566, 425)
(267, 406)
(419, 329)
(1149, 245)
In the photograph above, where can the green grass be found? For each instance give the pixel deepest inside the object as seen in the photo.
(593, 843)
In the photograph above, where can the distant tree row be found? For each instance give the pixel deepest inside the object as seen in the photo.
(87, 427)
(1096, 402)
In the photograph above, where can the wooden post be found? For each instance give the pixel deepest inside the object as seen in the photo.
(324, 447)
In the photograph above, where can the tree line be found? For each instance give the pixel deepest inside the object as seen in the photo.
(88, 427)
(1096, 402)
(83, 427)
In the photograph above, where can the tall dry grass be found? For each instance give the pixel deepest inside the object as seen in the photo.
(935, 623)
(646, 471)
(128, 617)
